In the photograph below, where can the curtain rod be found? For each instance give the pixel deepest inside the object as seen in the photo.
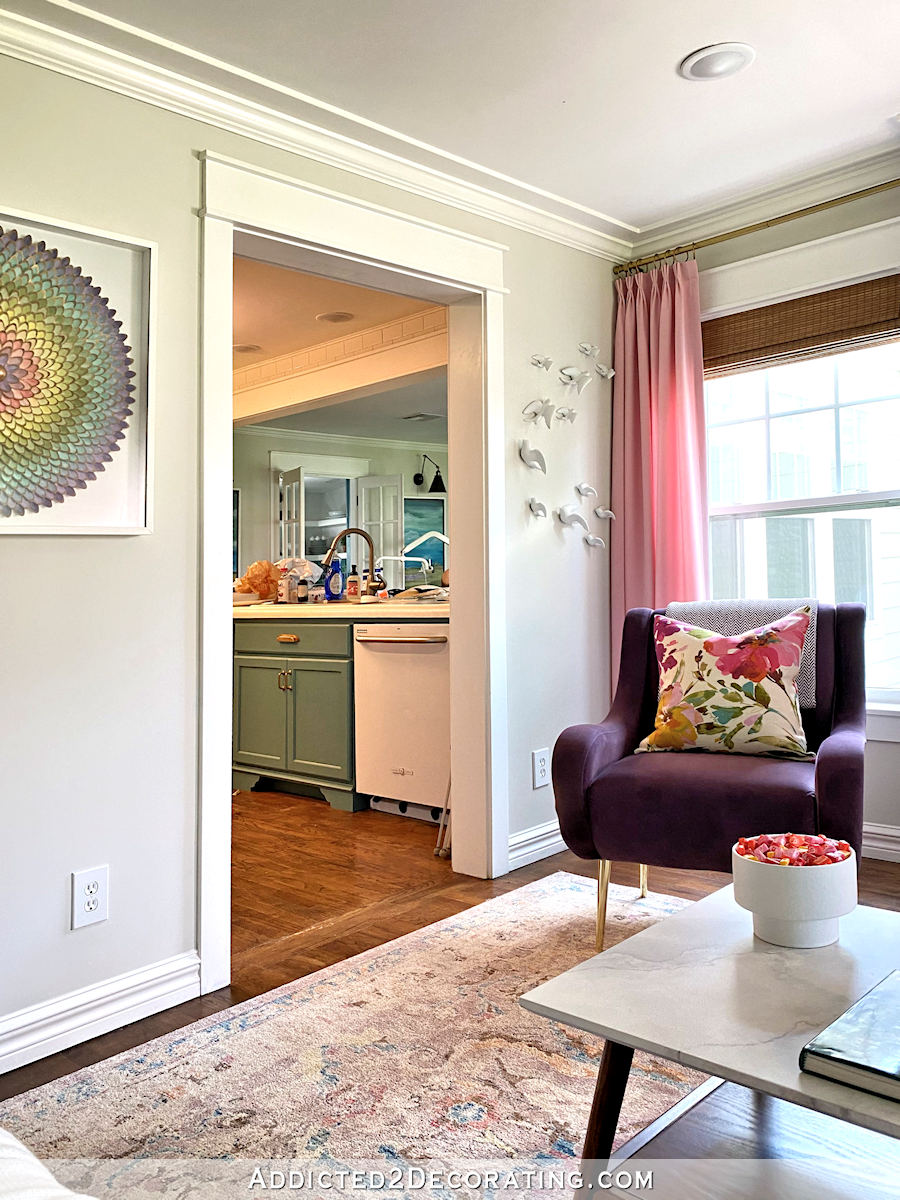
(621, 268)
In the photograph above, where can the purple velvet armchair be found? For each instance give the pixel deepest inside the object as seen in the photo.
(687, 809)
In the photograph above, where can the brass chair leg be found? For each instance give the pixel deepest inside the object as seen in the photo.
(645, 871)
(604, 866)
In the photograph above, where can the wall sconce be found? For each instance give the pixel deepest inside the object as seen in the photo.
(437, 483)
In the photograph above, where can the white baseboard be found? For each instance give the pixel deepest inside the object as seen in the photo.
(43, 1029)
(881, 841)
(530, 845)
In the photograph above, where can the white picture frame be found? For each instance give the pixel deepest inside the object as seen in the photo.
(119, 499)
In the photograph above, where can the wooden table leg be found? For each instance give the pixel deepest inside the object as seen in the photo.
(608, 1095)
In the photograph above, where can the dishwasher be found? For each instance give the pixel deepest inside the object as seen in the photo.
(402, 709)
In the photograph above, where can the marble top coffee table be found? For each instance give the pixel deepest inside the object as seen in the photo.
(699, 989)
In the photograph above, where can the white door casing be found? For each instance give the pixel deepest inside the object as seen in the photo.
(412, 254)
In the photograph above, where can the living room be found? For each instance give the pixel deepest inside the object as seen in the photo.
(146, 140)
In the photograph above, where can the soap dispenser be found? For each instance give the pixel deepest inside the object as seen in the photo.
(334, 580)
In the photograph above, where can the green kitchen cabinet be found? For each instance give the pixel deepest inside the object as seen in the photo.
(293, 709)
(320, 729)
(259, 711)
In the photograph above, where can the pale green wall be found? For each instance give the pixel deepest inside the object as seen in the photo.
(252, 474)
(99, 640)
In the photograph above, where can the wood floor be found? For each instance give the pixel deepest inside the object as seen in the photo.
(313, 886)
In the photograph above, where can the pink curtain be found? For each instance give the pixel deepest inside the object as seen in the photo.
(659, 538)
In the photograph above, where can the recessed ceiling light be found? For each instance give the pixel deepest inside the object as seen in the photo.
(245, 347)
(335, 318)
(716, 62)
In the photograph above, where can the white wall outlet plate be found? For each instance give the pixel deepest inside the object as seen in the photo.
(90, 896)
(540, 768)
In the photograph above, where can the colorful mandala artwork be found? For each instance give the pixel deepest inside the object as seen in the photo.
(66, 389)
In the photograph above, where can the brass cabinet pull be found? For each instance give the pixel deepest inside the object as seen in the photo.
(287, 637)
(288, 687)
(281, 681)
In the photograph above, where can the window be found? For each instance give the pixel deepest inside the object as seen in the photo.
(804, 489)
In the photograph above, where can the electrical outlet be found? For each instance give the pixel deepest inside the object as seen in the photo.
(90, 896)
(540, 768)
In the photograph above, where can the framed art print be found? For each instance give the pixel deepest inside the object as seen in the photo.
(425, 514)
(76, 310)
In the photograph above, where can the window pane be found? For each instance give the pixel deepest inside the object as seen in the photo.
(870, 436)
(803, 454)
(852, 540)
(837, 557)
(883, 625)
(870, 374)
(725, 558)
(736, 397)
(789, 556)
(801, 385)
(737, 463)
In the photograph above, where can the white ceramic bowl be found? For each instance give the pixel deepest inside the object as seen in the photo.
(795, 906)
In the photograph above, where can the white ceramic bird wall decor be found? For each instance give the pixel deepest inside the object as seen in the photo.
(538, 410)
(568, 514)
(585, 489)
(588, 349)
(604, 371)
(591, 539)
(541, 360)
(575, 375)
(566, 414)
(537, 507)
(605, 514)
(531, 457)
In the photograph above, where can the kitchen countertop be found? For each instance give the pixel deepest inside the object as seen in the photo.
(384, 610)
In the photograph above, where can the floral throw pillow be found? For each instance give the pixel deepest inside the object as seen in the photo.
(734, 694)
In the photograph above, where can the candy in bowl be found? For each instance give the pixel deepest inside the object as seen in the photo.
(797, 886)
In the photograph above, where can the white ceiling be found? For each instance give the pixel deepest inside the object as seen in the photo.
(381, 415)
(569, 102)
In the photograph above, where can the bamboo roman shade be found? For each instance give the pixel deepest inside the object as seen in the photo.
(825, 323)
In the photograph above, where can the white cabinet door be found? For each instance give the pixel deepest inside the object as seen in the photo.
(380, 507)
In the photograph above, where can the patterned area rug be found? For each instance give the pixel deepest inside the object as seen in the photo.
(412, 1051)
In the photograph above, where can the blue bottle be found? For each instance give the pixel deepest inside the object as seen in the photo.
(334, 581)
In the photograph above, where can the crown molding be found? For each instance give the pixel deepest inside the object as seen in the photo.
(293, 435)
(84, 59)
(90, 62)
(387, 335)
(764, 203)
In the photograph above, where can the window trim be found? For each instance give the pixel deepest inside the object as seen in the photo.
(845, 501)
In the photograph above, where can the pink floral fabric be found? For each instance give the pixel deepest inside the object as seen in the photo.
(735, 694)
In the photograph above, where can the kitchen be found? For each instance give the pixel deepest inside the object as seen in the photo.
(341, 705)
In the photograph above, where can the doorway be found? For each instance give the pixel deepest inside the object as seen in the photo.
(375, 247)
